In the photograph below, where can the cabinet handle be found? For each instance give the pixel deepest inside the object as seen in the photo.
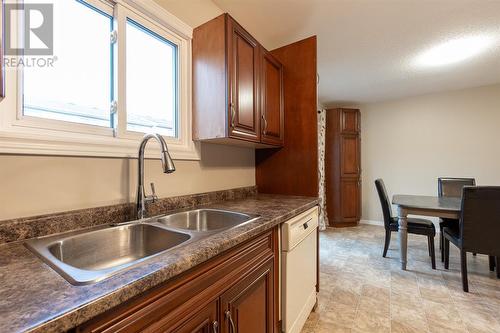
(265, 124)
(230, 319)
(233, 114)
(215, 327)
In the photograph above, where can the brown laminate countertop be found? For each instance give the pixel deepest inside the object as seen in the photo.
(33, 297)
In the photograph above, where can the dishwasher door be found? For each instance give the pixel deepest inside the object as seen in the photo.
(299, 267)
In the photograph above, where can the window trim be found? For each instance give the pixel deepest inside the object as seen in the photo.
(122, 15)
(38, 136)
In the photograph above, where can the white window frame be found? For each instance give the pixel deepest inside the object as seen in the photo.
(21, 134)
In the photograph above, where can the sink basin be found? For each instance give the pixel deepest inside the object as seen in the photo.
(89, 256)
(204, 220)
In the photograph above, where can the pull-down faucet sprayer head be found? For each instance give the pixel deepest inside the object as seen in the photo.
(166, 162)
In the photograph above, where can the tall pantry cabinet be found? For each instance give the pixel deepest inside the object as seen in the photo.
(343, 167)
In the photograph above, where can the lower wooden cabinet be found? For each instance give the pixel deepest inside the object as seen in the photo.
(234, 292)
(350, 200)
(248, 306)
(205, 321)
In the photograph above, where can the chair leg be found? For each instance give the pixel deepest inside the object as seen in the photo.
(498, 267)
(387, 241)
(441, 242)
(491, 260)
(441, 237)
(432, 251)
(463, 264)
(446, 247)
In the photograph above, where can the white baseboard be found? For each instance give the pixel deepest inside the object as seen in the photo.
(372, 222)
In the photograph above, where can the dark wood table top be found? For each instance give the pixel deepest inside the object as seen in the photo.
(427, 202)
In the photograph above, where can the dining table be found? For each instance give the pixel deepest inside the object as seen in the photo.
(444, 207)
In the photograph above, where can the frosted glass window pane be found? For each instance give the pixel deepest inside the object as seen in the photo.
(78, 88)
(151, 64)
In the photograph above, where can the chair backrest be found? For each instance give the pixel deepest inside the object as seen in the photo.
(384, 201)
(452, 187)
(480, 219)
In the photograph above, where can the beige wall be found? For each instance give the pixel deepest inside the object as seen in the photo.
(32, 185)
(411, 142)
(192, 12)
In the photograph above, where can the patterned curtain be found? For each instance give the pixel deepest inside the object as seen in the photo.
(323, 218)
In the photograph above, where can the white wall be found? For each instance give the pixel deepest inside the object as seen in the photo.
(32, 185)
(411, 142)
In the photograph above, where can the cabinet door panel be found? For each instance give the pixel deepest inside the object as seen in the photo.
(201, 322)
(349, 121)
(245, 78)
(249, 304)
(244, 115)
(349, 155)
(271, 99)
(350, 199)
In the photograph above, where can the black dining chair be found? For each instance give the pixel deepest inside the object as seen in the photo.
(478, 229)
(450, 187)
(415, 225)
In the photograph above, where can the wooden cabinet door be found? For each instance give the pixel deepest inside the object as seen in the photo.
(243, 72)
(271, 94)
(350, 155)
(204, 321)
(349, 121)
(350, 199)
(248, 306)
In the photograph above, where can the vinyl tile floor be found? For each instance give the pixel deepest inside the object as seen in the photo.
(360, 291)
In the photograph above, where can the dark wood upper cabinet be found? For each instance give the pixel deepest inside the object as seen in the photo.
(343, 167)
(243, 64)
(237, 87)
(271, 95)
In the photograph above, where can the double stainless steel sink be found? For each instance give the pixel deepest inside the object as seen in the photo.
(91, 255)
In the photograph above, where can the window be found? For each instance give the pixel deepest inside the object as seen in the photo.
(122, 68)
(78, 88)
(151, 60)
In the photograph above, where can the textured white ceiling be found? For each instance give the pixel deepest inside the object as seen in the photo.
(366, 47)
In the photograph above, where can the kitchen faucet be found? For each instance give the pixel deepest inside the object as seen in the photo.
(167, 165)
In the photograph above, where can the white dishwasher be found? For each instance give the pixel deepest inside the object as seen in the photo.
(298, 269)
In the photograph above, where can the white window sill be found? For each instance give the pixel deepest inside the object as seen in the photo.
(83, 145)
